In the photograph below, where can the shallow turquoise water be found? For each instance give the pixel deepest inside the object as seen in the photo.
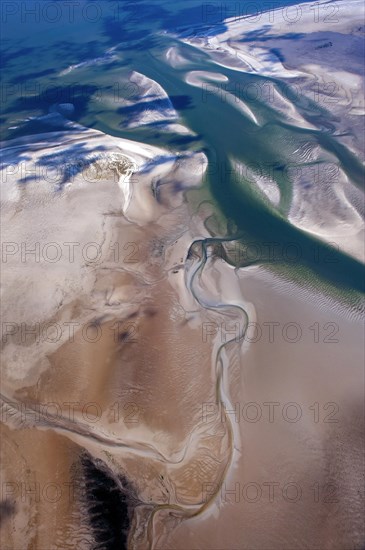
(36, 50)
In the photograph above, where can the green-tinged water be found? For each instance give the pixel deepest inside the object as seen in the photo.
(140, 328)
(37, 77)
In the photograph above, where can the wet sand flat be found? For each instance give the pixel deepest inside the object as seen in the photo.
(182, 306)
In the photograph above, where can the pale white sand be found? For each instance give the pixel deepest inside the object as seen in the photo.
(316, 51)
(127, 193)
(108, 57)
(148, 112)
(265, 184)
(115, 180)
(138, 199)
(326, 55)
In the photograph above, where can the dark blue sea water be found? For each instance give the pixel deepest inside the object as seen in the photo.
(82, 53)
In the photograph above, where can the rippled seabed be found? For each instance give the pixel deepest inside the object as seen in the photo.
(183, 350)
